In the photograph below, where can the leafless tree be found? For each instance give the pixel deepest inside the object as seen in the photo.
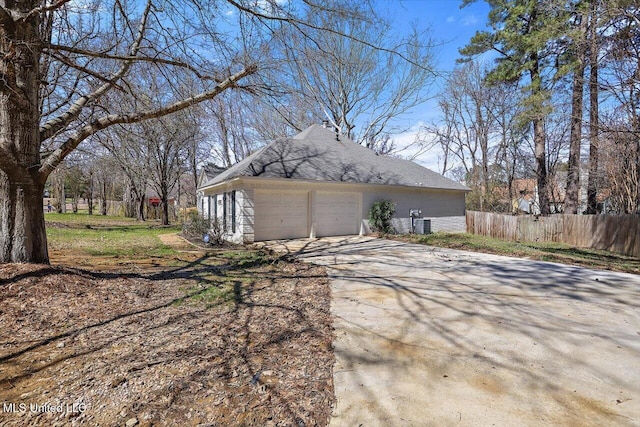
(622, 82)
(619, 154)
(357, 85)
(167, 140)
(227, 124)
(469, 130)
(64, 62)
(131, 156)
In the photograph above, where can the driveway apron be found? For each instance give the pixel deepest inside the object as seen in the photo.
(429, 336)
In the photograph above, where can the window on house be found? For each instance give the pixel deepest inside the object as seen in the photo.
(215, 207)
(209, 207)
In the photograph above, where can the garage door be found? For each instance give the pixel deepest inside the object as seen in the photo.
(280, 214)
(337, 214)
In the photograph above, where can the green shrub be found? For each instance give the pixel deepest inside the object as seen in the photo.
(380, 216)
(198, 226)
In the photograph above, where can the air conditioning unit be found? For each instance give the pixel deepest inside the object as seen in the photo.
(421, 226)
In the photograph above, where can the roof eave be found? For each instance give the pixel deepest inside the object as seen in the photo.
(314, 181)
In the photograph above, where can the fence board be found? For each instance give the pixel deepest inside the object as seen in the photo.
(615, 233)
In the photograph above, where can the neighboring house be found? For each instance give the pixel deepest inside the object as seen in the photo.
(319, 184)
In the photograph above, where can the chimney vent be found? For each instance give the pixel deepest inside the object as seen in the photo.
(325, 124)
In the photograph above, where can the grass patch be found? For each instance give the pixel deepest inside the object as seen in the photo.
(542, 251)
(212, 277)
(105, 236)
(247, 259)
(213, 295)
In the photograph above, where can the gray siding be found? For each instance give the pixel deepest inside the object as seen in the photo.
(445, 209)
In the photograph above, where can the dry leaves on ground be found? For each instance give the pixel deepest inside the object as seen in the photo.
(117, 348)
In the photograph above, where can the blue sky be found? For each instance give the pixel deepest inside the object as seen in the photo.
(452, 27)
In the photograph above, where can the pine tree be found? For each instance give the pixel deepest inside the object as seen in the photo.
(523, 35)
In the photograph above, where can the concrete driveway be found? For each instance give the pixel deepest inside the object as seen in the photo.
(428, 336)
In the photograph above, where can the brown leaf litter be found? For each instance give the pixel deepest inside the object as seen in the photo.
(117, 348)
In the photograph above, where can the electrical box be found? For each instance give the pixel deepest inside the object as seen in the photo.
(421, 226)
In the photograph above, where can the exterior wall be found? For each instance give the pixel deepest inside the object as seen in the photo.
(218, 199)
(445, 209)
(246, 219)
(451, 224)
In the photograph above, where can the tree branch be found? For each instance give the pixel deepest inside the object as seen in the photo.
(59, 123)
(298, 23)
(43, 9)
(156, 60)
(103, 122)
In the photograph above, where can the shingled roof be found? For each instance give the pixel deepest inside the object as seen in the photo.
(315, 154)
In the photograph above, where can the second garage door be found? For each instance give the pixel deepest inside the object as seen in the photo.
(280, 214)
(337, 214)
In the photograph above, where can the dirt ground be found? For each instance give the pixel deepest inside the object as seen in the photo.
(146, 345)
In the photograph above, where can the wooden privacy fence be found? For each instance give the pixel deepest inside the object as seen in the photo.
(615, 233)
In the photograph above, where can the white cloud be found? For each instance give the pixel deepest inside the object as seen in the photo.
(408, 147)
(469, 20)
(451, 19)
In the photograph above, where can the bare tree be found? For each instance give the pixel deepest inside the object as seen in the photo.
(467, 131)
(75, 182)
(131, 156)
(622, 83)
(59, 193)
(167, 140)
(62, 62)
(357, 85)
(619, 154)
(229, 128)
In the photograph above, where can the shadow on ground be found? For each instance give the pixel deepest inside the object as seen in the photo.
(438, 336)
(247, 341)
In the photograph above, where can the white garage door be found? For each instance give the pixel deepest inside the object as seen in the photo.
(337, 214)
(280, 214)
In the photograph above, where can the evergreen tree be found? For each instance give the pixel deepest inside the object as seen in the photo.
(523, 34)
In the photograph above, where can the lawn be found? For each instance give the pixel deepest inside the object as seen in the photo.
(133, 325)
(93, 235)
(542, 251)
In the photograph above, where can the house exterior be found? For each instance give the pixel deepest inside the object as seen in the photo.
(318, 184)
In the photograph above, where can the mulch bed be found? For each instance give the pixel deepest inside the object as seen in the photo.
(128, 348)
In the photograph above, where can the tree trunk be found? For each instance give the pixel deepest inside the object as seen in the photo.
(164, 195)
(572, 196)
(59, 191)
(141, 204)
(103, 202)
(637, 207)
(22, 229)
(130, 201)
(165, 211)
(90, 193)
(592, 189)
(539, 140)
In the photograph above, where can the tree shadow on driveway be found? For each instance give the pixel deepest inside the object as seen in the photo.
(438, 336)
